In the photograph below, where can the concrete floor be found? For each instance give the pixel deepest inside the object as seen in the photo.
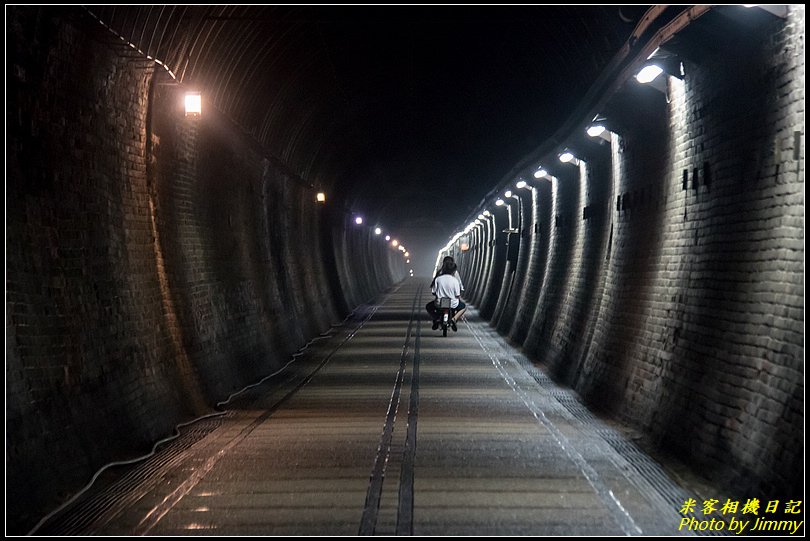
(386, 427)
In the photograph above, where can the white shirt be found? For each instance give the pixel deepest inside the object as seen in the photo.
(447, 285)
(458, 277)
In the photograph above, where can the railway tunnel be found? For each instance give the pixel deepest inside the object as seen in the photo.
(221, 228)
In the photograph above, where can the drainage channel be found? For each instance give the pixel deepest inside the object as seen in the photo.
(610, 501)
(101, 505)
(652, 480)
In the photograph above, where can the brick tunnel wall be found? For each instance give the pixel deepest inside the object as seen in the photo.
(155, 263)
(666, 283)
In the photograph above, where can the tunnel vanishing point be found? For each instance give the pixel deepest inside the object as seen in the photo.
(158, 261)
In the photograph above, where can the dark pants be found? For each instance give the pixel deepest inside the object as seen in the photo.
(435, 312)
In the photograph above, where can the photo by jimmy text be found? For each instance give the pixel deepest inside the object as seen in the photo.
(753, 519)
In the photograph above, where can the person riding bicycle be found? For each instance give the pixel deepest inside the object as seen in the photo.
(447, 285)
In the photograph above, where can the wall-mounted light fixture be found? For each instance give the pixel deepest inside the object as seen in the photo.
(395, 243)
(487, 214)
(387, 238)
(358, 220)
(377, 231)
(193, 103)
(597, 128)
(508, 193)
(520, 184)
(320, 197)
(657, 63)
(540, 173)
(499, 203)
(568, 157)
(649, 73)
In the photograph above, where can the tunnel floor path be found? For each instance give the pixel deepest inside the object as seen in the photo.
(386, 427)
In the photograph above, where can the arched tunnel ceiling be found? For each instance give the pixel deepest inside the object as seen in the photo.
(401, 110)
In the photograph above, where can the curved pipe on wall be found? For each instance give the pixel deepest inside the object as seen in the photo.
(537, 259)
(473, 269)
(496, 263)
(487, 239)
(477, 263)
(561, 251)
(512, 249)
(522, 240)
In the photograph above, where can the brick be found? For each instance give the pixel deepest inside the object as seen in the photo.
(92, 290)
(732, 253)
